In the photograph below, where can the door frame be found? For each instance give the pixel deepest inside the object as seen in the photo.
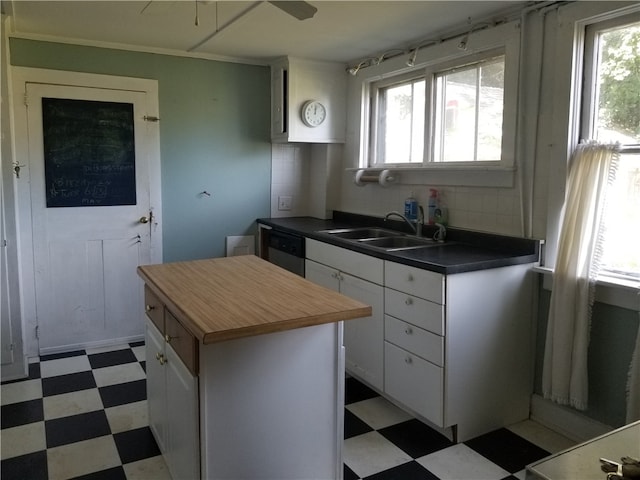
(20, 77)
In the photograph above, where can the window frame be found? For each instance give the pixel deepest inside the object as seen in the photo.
(428, 73)
(588, 104)
(374, 123)
(476, 59)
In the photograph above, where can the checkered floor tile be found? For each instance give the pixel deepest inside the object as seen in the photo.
(83, 415)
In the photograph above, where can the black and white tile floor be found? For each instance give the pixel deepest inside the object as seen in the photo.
(83, 415)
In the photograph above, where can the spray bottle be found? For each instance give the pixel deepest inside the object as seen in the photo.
(432, 205)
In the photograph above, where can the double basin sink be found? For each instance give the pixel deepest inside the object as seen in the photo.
(382, 238)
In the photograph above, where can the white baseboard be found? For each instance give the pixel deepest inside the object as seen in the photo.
(89, 345)
(565, 421)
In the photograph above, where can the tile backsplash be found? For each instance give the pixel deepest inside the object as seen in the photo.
(495, 210)
(290, 170)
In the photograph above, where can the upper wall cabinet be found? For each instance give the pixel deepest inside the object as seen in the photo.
(308, 101)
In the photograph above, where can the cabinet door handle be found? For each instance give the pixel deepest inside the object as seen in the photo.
(168, 338)
(408, 360)
(160, 358)
(409, 278)
(408, 301)
(148, 308)
(408, 331)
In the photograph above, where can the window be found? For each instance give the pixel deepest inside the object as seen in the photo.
(401, 122)
(444, 114)
(468, 112)
(611, 113)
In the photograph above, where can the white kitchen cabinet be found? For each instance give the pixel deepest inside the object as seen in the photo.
(353, 279)
(294, 82)
(156, 385)
(458, 347)
(414, 382)
(414, 340)
(172, 397)
(455, 350)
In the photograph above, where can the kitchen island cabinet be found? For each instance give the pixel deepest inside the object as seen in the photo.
(269, 370)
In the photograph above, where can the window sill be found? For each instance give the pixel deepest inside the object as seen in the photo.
(462, 175)
(610, 290)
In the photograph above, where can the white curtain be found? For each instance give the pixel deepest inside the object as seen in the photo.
(564, 377)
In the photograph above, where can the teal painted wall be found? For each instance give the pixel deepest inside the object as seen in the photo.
(214, 136)
(613, 336)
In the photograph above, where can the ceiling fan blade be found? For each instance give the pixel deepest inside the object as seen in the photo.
(300, 10)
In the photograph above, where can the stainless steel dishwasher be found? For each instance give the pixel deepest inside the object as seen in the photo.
(286, 251)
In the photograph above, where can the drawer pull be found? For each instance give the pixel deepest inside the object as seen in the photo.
(409, 278)
(408, 331)
(168, 338)
(408, 360)
(408, 301)
(148, 308)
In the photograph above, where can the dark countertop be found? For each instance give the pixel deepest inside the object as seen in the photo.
(467, 251)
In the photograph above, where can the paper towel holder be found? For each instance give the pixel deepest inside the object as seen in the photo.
(382, 177)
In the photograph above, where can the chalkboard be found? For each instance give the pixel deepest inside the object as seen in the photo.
(89, 153)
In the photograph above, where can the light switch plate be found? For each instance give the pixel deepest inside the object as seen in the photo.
(284, 202)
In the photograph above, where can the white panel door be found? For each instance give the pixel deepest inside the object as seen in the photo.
(6, 335)
(86, 251)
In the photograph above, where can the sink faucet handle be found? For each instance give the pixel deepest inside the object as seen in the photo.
(441, 233)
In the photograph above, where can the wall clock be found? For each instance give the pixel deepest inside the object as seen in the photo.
(313, 113)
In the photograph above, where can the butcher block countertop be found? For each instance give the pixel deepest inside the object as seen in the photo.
(227, 298)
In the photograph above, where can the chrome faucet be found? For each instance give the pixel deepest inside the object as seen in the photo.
(417, 228)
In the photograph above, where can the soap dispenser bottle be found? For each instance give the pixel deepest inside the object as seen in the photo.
(441, 214)
(432, 205)
(411, 207)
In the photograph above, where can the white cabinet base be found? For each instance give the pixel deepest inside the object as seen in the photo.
(172, 397)
(272, 405)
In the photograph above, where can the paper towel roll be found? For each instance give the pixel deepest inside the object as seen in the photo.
(384, 177)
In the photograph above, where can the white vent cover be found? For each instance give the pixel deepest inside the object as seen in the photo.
(241, 245)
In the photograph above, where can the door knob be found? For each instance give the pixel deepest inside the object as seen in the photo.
(144, 220)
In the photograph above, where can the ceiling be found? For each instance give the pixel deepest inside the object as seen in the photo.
(342, 31)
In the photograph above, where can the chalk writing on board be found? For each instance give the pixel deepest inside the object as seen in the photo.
(89, 153)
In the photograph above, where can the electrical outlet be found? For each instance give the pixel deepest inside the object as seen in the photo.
(284, 202)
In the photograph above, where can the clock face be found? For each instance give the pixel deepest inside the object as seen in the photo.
(313, 113)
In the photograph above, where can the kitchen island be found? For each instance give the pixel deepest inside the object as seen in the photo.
(245, 369)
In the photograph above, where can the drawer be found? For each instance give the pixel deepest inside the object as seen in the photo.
(154, 308)
(347, 261)
(415, 340)
(414, 382)
(182, 342)
(416, 281)
(417, 311)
